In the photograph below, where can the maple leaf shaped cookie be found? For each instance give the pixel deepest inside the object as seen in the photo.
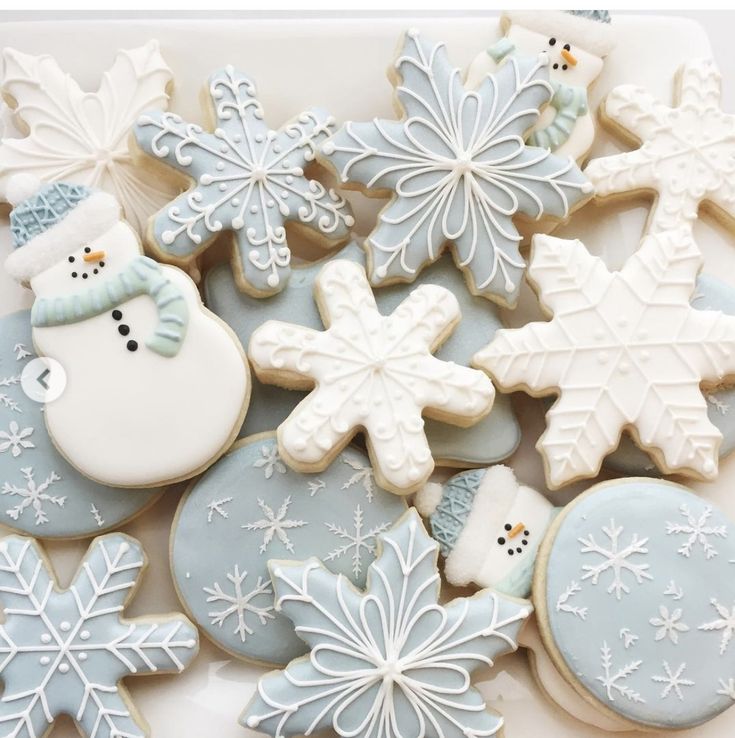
(390, 661)
(623, 350)
(81, 137)
(686, 154)
(457, 169)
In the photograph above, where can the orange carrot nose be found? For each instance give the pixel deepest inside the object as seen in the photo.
(94, 256)
(569, 58)
(516, 530)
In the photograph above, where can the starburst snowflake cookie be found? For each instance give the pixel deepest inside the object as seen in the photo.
(390, 660)
(245, 179)
(65, 651)
(80, 137)
(457, 169)
(370, 372)
(624, 350)
(686, 151)
(238, 516)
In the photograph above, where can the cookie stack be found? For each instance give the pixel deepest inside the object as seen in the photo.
(318, 531)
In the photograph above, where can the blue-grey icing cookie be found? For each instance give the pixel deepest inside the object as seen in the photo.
(249, 508)
(710, 294)
(494, 438)
(635, 593)
(40, 492)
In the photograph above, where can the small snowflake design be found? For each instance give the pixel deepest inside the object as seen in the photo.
(673, 681)
(33, 496)
(623, 350)
(458, 168)
(357, 540)
(247, 179)
(617, 559)
(668, 624)
(64, 651)
(15, 439)
(615, 680)
(275, 525)
(727, 688)
(698, 532)
(370, 372)
(393, 644)
(363, 474)
(239, 603)
(724, 624)
(686, 152)
(270, 461)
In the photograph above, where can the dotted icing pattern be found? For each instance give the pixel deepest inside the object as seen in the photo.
(250, 508)
(640, 600)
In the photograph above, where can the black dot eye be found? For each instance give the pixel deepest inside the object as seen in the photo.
(84, 276)
(74, 274)
(508, 526)
(87, 249)
(71, 259)
(501, 541)
(510, 552)
(556, 66)
(552, 41)
(567, 47)
(116, 315)
(564, 66)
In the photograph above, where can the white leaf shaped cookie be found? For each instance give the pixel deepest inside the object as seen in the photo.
(80, 137)
(623, 350)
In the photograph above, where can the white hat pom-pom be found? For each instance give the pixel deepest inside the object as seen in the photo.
(427, 499)
(20, 187)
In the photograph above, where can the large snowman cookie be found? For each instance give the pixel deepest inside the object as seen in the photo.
(491, 439)
(40, 492)
(249, 508)
(156, 385)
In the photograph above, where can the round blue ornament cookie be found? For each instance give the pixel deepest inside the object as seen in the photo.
(250, 508)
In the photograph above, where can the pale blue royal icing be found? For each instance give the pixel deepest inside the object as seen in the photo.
(640, 593)
(249, 508)
(42, 494)
(710, 294)
(494, 438)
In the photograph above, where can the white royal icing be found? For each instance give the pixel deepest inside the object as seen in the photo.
(686, 153)
(82, 137)
(371, 372)
(623, 350)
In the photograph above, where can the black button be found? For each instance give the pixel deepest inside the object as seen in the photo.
(123, 329)
(132, 345)
(116, 314)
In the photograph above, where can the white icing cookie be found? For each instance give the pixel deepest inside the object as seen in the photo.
(370, 372)
(82, 137)
(686, 152)
(622, 350)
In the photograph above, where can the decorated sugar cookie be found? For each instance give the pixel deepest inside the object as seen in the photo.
(40, 492)
(457, 170)
(245, 178)
(65, 651)
(250, 508)
(709, 294)
(491, 439)
(623, 350)
(686, 151)
(577, 42)
(632, 584)
(387, 661)
(81, 137)
(370, 372)
(156, 385)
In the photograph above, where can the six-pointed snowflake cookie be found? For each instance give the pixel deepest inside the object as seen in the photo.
(80, 137)
(244, 178)
(369, 372)
(64, 651)
(624, 350)
(457, 169)
(686, 151)
(390, 661)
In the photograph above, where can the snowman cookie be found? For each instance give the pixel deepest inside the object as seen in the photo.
(156, 385)
(249, 508)
(632, 584)
(488, 441)
(577, 42)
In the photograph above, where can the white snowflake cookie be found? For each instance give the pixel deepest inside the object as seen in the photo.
(65, 651)
(369, 372)
(389, 661)
(245, 178)
(223, 539)
(81, 137)
(457, 170)
(624, 350)
(686, 151)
